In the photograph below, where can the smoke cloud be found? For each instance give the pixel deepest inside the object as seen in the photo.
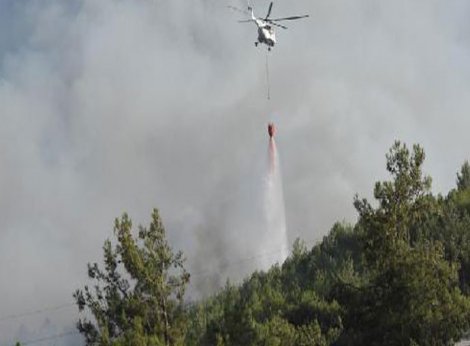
(116, 105)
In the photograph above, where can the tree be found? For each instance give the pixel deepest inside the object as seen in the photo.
(138, 297)
(403, 202)
(412, 293)
(463, 179)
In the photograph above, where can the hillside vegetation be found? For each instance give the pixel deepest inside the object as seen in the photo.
(399, 276)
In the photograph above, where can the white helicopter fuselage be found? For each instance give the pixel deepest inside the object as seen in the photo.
(266, 33)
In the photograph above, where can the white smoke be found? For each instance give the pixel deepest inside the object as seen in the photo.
(111, 106)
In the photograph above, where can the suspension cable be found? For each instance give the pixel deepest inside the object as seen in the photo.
(267, 75)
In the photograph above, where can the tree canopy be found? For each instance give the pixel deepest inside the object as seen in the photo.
(137, 299)
(400, 275)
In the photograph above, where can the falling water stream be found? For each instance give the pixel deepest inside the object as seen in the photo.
(275, 243)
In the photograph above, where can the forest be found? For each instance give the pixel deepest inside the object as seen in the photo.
(400, 275)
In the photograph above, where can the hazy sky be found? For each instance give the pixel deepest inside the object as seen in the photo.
(113, 106)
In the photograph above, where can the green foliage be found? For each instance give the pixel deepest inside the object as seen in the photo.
(394, 278)
(403, 202)
(463, 179)
(415, 298)
(263, 311)
(452, 229)
(412, 293)
(138, 298)
(399, 276)
(276, 332)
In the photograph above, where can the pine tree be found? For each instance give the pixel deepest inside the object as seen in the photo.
(138, 298)
(463, 179)
(412, 295)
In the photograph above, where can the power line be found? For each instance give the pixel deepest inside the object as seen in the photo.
(48, 338)
(204, 273)
(35, 312)
(200, 274)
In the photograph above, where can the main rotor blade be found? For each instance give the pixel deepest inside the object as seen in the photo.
(269, 10)
(246, 21)
(288, 18)
(239, 10)
(279, 25)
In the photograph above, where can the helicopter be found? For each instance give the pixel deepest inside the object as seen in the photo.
(266, 33)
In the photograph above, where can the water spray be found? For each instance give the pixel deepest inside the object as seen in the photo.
(274, 203)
